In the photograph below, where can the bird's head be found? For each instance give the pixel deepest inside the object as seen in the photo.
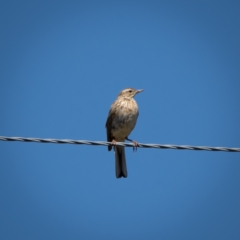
(129, 92)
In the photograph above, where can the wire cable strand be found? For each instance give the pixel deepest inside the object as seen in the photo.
(102, 143)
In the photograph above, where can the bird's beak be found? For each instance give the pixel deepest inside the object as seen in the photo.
(140, 90)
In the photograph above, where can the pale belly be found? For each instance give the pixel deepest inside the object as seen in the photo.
(124, 122)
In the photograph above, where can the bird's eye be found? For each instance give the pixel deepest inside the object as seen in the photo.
(130, 90)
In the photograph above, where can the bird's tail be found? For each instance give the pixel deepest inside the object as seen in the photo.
(120, 162)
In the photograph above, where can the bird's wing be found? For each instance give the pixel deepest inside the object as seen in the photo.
(110, 118)
(109, 124)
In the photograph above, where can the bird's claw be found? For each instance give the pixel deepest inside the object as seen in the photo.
(114, 144)
(135, 146)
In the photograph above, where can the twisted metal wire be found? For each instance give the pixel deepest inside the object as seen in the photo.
(102, 143)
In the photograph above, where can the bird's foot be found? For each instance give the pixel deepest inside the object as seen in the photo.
(135, 145)
(114, 144)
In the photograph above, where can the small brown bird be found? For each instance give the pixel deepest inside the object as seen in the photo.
(121, 121)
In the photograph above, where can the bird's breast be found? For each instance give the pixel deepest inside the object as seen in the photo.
(125, 119)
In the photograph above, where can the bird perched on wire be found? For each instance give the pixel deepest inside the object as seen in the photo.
(121, 121)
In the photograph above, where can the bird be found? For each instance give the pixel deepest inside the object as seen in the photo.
(121, 120)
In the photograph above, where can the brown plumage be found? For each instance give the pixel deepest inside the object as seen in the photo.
(121, 121)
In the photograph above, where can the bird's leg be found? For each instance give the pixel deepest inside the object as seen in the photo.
(135, 144)
(114, 144)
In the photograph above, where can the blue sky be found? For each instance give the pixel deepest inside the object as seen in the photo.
(63, 63)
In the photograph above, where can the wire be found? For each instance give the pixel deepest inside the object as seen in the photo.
(102, 143)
